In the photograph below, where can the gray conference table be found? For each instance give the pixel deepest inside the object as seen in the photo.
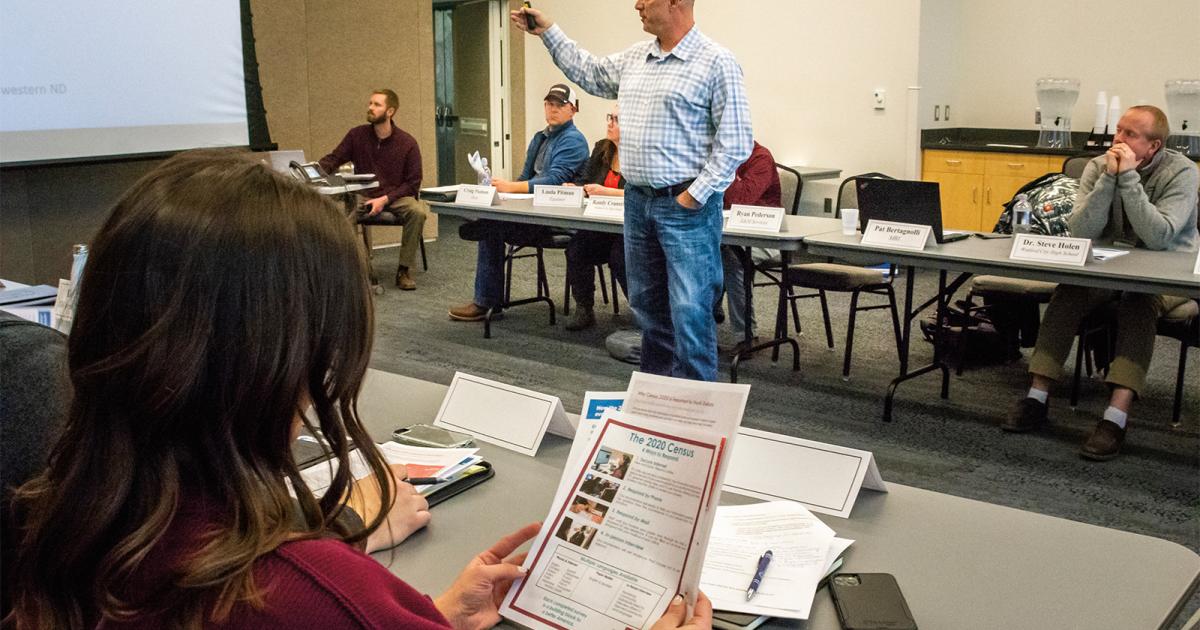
(1140, 270)
(788, 241)
(960, 563)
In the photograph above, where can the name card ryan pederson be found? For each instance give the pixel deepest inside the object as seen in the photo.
(1051, 250)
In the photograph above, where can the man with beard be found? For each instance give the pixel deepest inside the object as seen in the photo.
(382, 148)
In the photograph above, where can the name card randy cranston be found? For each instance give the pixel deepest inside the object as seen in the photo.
(1052, 250)
(897, 235)
(558, 196)
(757, 218)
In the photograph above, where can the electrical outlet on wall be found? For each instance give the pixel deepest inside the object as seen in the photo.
(880, 98)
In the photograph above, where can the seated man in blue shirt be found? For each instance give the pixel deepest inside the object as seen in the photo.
(555, 155)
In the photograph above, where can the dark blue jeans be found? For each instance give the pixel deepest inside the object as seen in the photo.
(493, 238)
(673, 260)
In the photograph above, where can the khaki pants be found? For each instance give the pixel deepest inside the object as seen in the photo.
(410, 214)
(1137, 325)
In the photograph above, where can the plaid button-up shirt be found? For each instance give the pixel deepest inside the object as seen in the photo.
(684, 113)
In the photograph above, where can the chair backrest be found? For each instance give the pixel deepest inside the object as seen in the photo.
(791, 185)
(848, 192)
(1074, 165)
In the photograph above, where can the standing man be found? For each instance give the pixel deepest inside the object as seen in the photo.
(685, 128)
(382, 148)
(1138, 194)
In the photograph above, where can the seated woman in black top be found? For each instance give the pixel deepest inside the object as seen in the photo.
(587, 249)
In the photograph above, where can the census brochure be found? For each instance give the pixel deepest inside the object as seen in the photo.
(629, 524)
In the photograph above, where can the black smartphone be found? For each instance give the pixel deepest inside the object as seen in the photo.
(870, 601)
(530, 21)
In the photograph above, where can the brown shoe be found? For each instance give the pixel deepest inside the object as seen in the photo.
(469, 312)
(1104, 443)
(404, 280)
(1026, 416)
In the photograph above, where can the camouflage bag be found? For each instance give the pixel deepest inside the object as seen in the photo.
(1052, 197)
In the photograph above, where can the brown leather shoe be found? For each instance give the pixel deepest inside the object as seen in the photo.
(404, 280)
(1027, 415)
(1104, 443)
(469, 312)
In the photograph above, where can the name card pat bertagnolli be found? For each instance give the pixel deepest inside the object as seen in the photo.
(897, 235)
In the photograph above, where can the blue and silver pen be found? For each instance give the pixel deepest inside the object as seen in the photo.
(763, 562)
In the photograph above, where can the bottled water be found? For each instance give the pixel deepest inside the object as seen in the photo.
(1022, 214)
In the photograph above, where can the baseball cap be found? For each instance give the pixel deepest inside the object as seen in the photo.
(563, 93)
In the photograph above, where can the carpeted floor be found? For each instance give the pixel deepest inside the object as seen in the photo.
(951, 446)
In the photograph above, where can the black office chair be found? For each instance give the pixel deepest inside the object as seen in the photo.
(791, 186)
(831, 276)
(1181, 323)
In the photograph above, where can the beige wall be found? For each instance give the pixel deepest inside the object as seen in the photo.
(810, 68)
(319, 61)
(1128, 49)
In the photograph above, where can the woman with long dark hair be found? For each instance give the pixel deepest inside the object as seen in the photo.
(223, 308)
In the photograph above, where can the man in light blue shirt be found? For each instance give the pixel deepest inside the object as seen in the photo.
(685, 128)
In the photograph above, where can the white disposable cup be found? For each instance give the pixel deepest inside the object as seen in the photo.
(849, 221)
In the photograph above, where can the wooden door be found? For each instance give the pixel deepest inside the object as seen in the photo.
(960, 195)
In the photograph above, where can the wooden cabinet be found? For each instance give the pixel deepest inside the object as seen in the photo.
(975, 185)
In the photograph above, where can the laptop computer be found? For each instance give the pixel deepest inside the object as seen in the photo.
(902, 201)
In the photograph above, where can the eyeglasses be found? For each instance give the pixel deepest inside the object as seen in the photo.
(612, 119)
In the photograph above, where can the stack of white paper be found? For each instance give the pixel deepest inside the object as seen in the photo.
(804, 551)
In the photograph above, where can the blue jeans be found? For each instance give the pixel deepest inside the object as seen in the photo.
(494, 237)
(673, 260)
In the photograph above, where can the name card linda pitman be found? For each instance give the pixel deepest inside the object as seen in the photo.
(1051, 250)
(898, 235)
(558, 196)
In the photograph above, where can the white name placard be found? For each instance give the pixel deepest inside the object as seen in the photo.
(757, 218)
(605, 207)
(510, 417)
(824, 477)
(1197, 269)
(1052, 250)
(558, 196)
(897, 235)
(471, 195)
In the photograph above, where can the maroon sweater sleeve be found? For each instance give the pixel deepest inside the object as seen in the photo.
(328, 584)
(340, 155)
(756, 182)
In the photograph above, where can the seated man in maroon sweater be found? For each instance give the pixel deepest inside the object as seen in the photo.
(756, 183)
(382, 148)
